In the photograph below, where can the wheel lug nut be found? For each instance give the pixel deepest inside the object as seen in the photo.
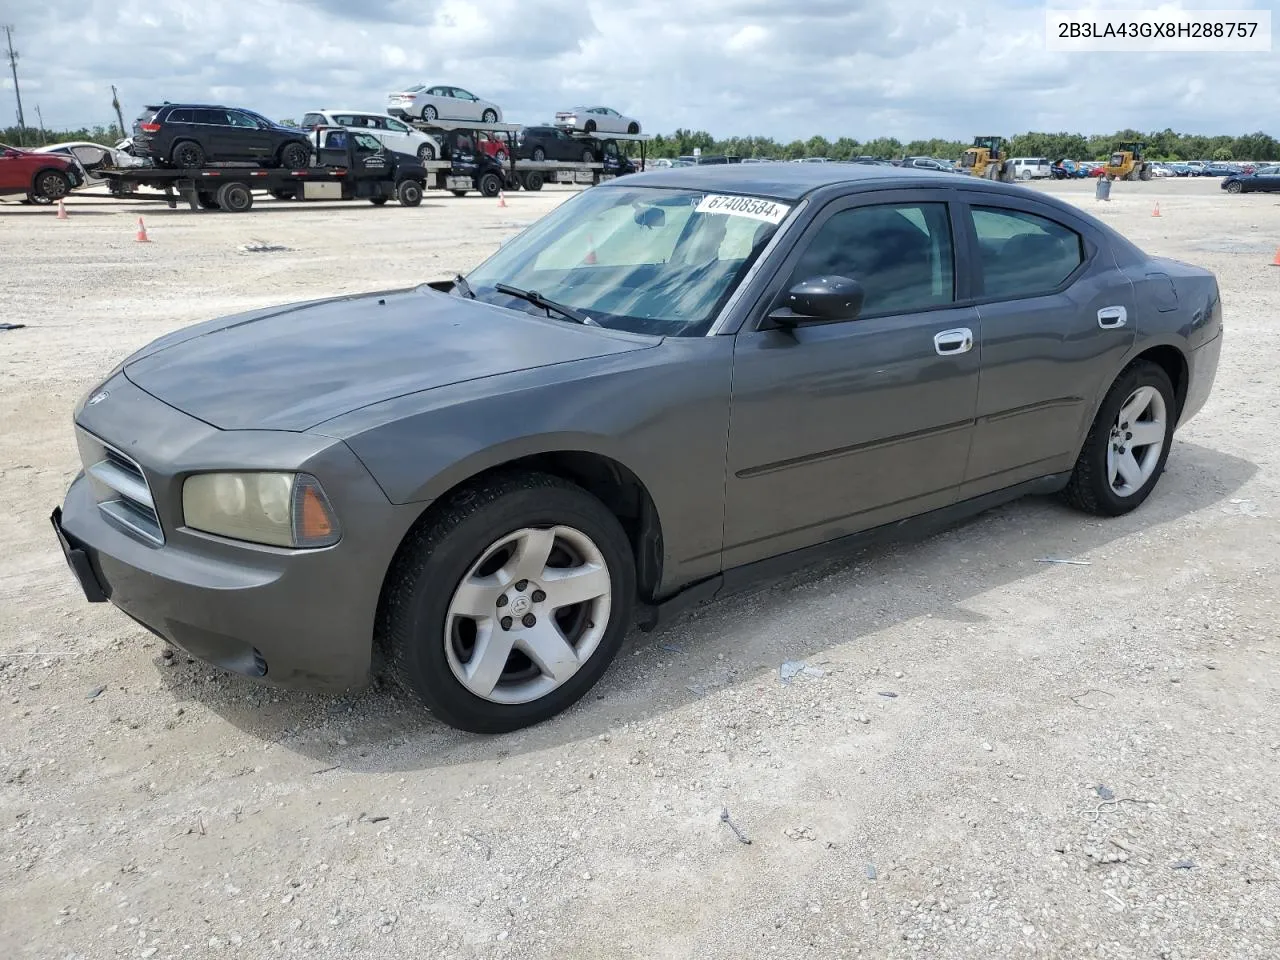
(506, 623)
(1128, 436)
(502, 600)
(539, 596)
(529, 620)
(521, 585)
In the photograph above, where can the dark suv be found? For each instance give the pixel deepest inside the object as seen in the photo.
(552, 143)
(189, 135)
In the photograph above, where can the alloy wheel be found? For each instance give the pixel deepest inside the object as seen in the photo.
(1136, 441)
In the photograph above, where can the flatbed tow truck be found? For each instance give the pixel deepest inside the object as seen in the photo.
(466, 167)
(346, 165)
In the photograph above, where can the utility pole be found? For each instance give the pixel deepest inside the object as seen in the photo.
(115, 102)
(44, 136)
(13, 65)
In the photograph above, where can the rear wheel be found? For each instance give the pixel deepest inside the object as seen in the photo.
(509, 605)
(426, 152)
(490, 185)
(378, 201)
(235, 197)
(409, 193)
(187, 155)
(532, 180)
(1125, 451)
(50, 186)
(589, 126)
(633, 128)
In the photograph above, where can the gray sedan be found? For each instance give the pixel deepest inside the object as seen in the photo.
(673, 384)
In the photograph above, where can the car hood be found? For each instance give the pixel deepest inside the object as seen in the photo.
(293, 367)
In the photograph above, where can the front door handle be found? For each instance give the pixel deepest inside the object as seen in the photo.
(951, 342)
(1111, 317)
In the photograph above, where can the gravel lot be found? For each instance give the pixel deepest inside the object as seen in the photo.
(988, 756)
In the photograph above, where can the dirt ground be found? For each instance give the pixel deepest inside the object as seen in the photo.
(988, 756)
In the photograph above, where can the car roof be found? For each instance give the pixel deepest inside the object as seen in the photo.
(370, 113)
(780, 181)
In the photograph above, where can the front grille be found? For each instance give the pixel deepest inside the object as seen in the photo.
(123, 494)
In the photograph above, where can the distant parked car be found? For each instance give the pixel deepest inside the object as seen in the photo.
(1032, 168)
(552, 143)
(596, 120)
(442, 103)
(923, 163)
(1262, 180)
(91, 158)
(1067, 170)
(40, 177)
(690, 161)
(1217, 169)
(187, 135)
(495, 145)
(395, 135)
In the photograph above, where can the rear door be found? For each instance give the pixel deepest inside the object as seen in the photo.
(213, 131)
(1057, 320)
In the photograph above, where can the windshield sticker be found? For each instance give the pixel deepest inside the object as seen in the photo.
(753, 207)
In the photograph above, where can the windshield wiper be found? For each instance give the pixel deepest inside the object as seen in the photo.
(460, 284)
(538, 300)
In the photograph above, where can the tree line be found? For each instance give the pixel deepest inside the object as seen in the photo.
(1161, 145)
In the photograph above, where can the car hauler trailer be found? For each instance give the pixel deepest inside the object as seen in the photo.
(467, 167)
(347, 165)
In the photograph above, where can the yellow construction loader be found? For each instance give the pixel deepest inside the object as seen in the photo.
(986, 159)
(1127, 163)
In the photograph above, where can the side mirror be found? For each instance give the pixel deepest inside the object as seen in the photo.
(822, 299)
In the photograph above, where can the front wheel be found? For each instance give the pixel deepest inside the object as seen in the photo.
(489, 116)
(50, 186)
(510, 604)
(294, 156)
(409, 193)
(490, 185)
(426, 153)
(1125, 451)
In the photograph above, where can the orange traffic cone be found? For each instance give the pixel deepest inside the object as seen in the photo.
(62, 211)
(502, 199)
(142, 232)
(1156, 211)
(1276, 261)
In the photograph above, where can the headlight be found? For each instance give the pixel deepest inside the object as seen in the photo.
(278, 509)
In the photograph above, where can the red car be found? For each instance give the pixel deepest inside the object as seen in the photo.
(494, 146)
(40, 177)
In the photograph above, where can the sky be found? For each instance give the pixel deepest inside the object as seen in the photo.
(780, 68)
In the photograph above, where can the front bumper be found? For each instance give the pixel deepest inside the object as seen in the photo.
(296, 618)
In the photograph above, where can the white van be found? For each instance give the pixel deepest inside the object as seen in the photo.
(1032, 168)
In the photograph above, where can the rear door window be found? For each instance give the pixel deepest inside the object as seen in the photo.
(215, 117)
(181, 116)
(1023, 255)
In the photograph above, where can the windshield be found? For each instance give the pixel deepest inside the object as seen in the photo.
(660, 262)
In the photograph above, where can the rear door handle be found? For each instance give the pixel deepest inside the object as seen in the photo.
(951, 342)
(1111, 317)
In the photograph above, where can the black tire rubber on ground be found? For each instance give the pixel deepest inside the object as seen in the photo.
(294, 156)
(437, 554)
(50, 186)
(1090, 488)
(378, 201)
(532, 180)
(430, 113)
(539, 154)
(426, 153)
(1235, 187)
(283, 194)
(488, 117)
(187, 155)
(633, 128)
(409, 193)
(207, 200)
(459, 193)
(235, 197)
(490, 185)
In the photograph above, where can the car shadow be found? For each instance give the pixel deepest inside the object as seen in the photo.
(737, 640)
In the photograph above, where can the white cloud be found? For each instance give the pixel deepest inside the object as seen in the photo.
(906, 68)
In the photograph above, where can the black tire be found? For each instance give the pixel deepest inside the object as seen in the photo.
(235, 197)
(378, 201)
(489, 116)
(459, 193)
(435, 557)
(283, 194)
(207, 200)
(532, 180)
(294, 156)
(187, 155)
(490, 185)
(633, 128)
(1235, 187)
(1090, 487)
(589, 126)
(539, 154)
(37, 199)
(588, 156)
(1145, 173)
(50, 186)
(426, 153)
(430, 114)
(409, 193)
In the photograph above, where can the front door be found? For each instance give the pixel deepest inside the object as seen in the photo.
(839, 427)
(251, 140)
(1057, 320)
